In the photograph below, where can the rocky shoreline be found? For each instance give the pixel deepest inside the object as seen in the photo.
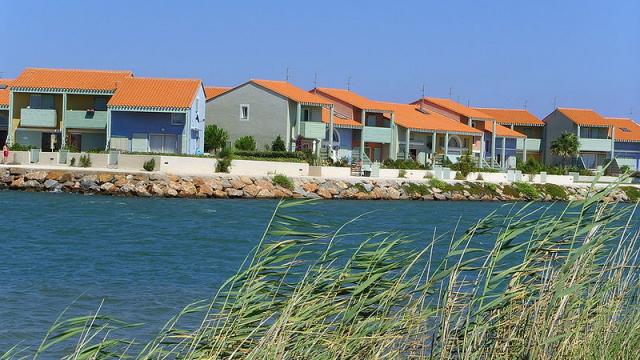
(228, 186)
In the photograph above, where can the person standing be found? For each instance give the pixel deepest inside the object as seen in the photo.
(5, 153)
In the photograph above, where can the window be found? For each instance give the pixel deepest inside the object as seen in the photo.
(37, 101)
(244, 112)
(177, 119)
(100, 103)
(624, 129)
(371, 120)
(306, 115)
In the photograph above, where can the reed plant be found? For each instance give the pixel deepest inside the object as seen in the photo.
(530, 282)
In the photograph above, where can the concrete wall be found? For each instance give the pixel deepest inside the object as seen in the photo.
(255, 168)
(329, 171)
(556, 124)
(188, 165)
(268, 114)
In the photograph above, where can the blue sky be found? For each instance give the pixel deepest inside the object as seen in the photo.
(489, 53)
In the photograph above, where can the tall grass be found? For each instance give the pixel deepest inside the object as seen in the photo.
(312, 291)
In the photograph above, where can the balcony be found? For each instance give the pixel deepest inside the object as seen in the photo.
(312, 129)
(377, 134)
(603, 145)
(80, 119)
(534, 145)
(38, 118)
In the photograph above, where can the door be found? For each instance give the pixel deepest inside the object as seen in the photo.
(161, 143)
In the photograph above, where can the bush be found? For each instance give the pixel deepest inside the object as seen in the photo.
(555, 191)
(72, 162)
(409, 164)
(85, 161)
(361, 188)
(283, 180)
(532, 166)
(278, 144)
(402, 173)
(416, 189)
(225, 157)
(465, 165)
(71, 148)
(149, 165)
(20, 147)
(215, 138)
(633, 193)
(526, 189)
(246, 143)
(438, 184)
(460, 176)
(299, 155)
(625, 169)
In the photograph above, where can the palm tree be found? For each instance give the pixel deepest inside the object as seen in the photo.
(566, 146)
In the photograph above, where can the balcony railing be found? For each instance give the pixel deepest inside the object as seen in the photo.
(80, 119)
(377, 134)
(532, 144)
(38, 118)
(313, 129)
(587, 144)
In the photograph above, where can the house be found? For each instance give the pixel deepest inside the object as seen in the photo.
(50, 108)
(374, 140)
(524, 122)
(627, 142)
(266, 109)
(428, 137)
(4, 110)
(498, 143)
(157, 115)
(593, 132)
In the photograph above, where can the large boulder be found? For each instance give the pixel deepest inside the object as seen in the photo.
(36, 175)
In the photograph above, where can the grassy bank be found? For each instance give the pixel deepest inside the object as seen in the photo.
(525, 284)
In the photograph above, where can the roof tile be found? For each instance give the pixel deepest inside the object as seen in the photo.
(584, 117)
(412, 117)
(99, 80)
(627, 130)
(353, 99)
(456, 107)
(291, 91)
(155, 93)
(512, 116)
(213, 91)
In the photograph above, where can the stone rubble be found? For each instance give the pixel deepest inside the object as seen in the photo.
(228, 186)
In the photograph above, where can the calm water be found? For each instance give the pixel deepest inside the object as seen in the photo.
(148, 258)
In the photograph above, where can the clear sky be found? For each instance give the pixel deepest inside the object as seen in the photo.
(582, 53)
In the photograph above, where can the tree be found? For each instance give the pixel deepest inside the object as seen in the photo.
(566, 146)
(246, 143)
(215, 138)
(278, 145)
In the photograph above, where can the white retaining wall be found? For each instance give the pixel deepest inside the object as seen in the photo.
(329, 171)
(268, 168)
(188, 165)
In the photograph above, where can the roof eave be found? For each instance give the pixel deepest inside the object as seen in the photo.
(147, 108)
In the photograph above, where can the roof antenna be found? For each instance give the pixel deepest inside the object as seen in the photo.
(422, 99)
(555, 102)
(287, 75)
(525, 104)
(450, 91)
(468, 103)
(315, 80)
(349, 83)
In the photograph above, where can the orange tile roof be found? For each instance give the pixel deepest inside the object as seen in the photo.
(456, 107)
(155, 93)
(512, 116)
(353, 99)
(213, 91)
(412, 117)
(627, 130)
(502, 131)
(4, 93)
(584, 117)
(291, 92)
(63, 79)
(340, 121)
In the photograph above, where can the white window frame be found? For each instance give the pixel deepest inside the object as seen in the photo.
(242, 117)
(176, 122)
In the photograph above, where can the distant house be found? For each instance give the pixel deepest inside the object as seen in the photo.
(524, 122)
(596, 147)
(50, 108)
(213, 91)
(627, 141)
(157, 115)
(266, 109)
(4, 110)
(497, 144)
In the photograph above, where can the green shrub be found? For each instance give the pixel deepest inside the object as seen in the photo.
(215, 138)
(625, 169)
(278, 144)
(246, 143)
(416, 189)
(438, 184)
(225, 157)
(20, 147)
(409, 164)
(586, 172)
(150, 164)
(532, 166)
(402, 173)
(491, 187)
(465, 165)
(460, 176)
(283, 180)
(71, 148)
(526, 189)
(72, 162)
(85, 161)
(555, 191)
(361, 188)
(633, 193)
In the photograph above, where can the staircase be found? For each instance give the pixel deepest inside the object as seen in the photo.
(484, 164)
(358, 167)
(325, 154)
